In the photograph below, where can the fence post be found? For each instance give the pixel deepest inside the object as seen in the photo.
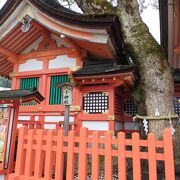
(31, 124)
(136, 157)
(108, 156)
(168, 155)
(121, 156)
(38, 164)
(48, 161)
(21, 155)
(70, 156)
(82, 171)
(95, 155)
(59, 156)
(152, 157)
(28, 162)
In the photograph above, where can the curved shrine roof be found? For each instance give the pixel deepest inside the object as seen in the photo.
(53, 9)
(21, 94)
(104, 69)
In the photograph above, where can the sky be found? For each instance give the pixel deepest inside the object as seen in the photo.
(150, 16)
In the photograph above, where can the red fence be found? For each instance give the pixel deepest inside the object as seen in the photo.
(32, 124)
(40, 155)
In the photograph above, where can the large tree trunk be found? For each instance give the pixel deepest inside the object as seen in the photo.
(155, 72)
(156, 77)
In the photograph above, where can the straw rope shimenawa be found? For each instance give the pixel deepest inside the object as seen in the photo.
(156, 117)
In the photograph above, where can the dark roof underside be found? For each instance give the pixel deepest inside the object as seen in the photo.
(104, 69)
(176, 75)
(163, 13)
(20, 94)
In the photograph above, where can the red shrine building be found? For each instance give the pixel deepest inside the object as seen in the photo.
(170, 41)
(43, 44)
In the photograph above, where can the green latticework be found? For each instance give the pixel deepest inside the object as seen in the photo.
(29, 83)
(55, 92)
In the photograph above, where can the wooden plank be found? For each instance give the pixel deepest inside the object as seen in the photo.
(11, 56)
(82, 168)
(108, 156)
(29, 159)
(152, 157)
(136, 157)
(48, 160)
(168, 155)
(121, 156)
(21, 152)
(95, 155)
(70, 157)
(59, 156)
(38, 159)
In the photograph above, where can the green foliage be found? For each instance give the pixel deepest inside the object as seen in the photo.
(5, 82)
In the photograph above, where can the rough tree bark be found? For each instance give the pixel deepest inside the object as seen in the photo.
(156, 77)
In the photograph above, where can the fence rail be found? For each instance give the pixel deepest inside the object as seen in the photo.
(32, 124)
(40, 155)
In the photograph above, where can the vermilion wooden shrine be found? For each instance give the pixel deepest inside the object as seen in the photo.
(43, 44)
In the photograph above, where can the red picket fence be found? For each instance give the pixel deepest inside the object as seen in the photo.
(40, 155)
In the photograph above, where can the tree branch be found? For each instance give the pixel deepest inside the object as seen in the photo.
(96, 7)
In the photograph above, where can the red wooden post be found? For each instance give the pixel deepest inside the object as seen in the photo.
(59, 156)
(136, 157)
(48, 161)
(21, 152)
(40, 125)
(168, 155)
(108, 156)
(95, 155)
(29, 159)
(38, 160)
(152, 157)
(31, 124)
(70, 157)
(82, 171)
(121, 156)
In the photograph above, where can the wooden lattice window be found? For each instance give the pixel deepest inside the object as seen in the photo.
(96, 102)
(177, 105)
(55, 92)
(29, 83)
(130, 108)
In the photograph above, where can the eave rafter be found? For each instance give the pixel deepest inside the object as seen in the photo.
(12, 57)
(44, 32)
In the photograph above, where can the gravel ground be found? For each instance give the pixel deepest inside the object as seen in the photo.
(101, 177)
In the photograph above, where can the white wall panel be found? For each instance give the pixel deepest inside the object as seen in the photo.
(96, 125)
(57, 119)
(62, 62)
(27, 118)
(31, 65)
